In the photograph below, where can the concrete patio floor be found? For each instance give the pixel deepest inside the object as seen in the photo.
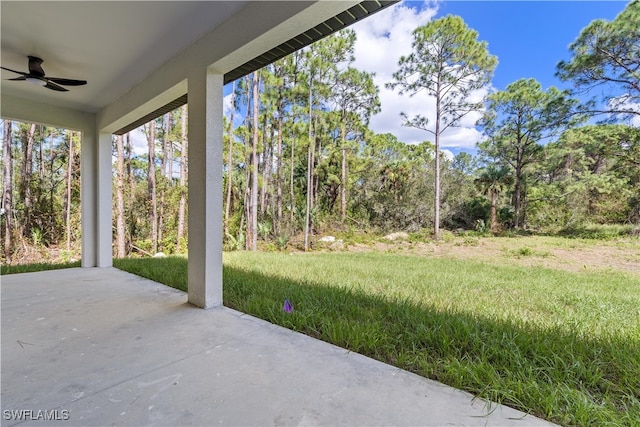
(105, 347)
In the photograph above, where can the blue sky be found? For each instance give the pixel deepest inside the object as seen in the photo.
(528, 37)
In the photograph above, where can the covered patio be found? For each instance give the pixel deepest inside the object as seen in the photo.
(104, 347)
(97, 346)
(141, 60)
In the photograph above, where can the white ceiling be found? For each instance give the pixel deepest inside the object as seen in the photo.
(113, 45)
(138, 56)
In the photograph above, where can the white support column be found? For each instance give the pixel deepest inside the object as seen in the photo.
(104, 227)
(88, 176)
(96, 200)
(205, 188)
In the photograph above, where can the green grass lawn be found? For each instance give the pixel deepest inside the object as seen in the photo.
(562, 346)
(43, 266)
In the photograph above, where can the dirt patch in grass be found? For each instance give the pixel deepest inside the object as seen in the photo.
(534, 251)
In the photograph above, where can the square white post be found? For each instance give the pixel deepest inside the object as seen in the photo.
(103, 198)
(96, 181)
(88, 205)
(205, 188)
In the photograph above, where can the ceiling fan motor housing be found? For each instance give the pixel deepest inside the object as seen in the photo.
(34, 66)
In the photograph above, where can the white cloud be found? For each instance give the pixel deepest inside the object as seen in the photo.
(226, 105)
(381, 40)
(447, 154)
(625, 103)
(139, 145)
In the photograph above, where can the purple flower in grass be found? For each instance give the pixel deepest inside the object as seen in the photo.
(287, 307)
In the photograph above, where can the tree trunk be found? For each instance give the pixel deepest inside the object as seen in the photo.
(7, 190)
(317, 146)
(130, 188)
(436, 207)
(493, 210)
(169, 147)
(69, 188)
(151, 187)
(227, 209)
(246, 205)
(165, 161)
(523, 206)
(161, 216)
(254, 166)
(278, 225)
(41, 165)
(182, 205)
(292, 194)
(120, 222)
(266, 201)
(307, 212)
(343, 177)
(27, 171)
(246, 197)
(517, 196)
(262, 168)
(310, 152)
(52, 190)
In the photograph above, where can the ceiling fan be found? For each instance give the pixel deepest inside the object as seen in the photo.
(36, 75)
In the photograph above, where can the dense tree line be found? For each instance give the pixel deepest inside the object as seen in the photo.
(150, 191)
(300, 159)
(40, 191)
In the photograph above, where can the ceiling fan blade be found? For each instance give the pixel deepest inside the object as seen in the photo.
(34, 66)
(53, 86)
(14, 71)
(36, 74)
(67, 82)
